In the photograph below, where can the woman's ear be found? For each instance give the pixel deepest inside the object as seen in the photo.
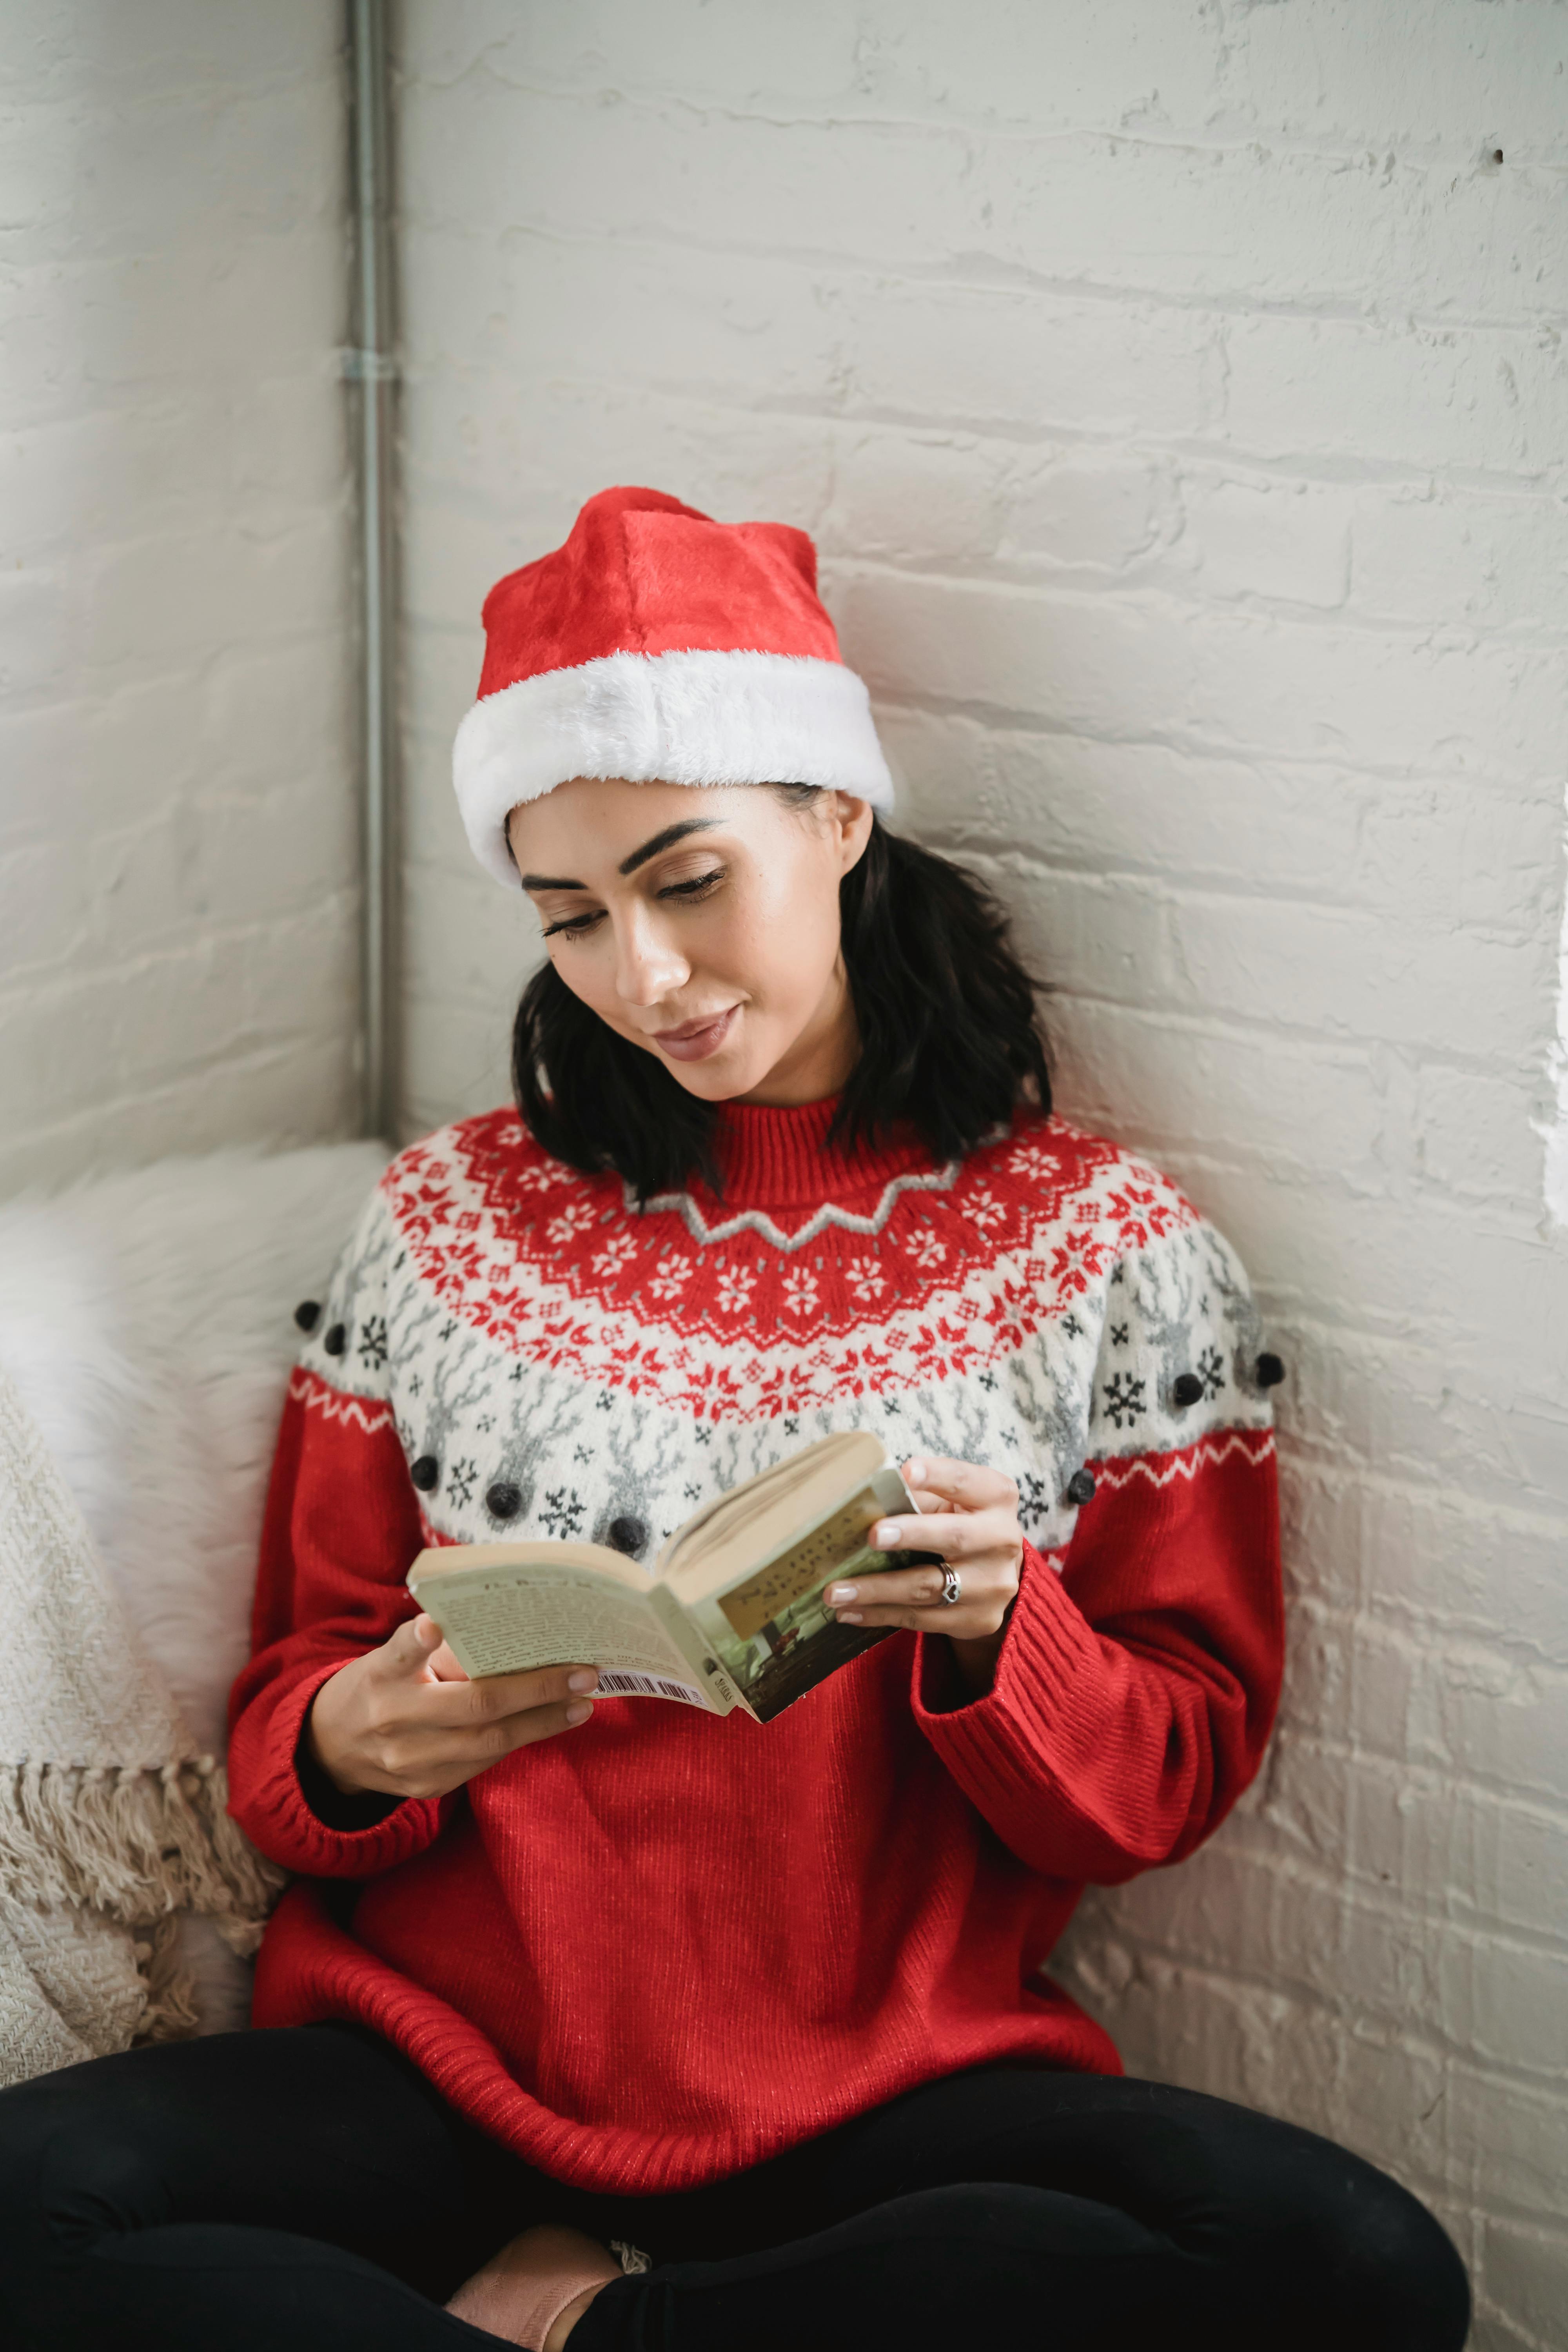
(854, 819)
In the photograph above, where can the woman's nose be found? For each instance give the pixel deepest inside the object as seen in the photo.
(647, 965)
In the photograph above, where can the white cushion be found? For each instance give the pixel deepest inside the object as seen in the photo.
(147, 1319)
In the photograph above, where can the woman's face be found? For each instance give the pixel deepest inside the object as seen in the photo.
(702, 925)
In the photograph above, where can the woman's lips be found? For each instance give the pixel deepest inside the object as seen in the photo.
(695, 1040)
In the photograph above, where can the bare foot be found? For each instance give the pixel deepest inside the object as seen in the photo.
(536, 2289)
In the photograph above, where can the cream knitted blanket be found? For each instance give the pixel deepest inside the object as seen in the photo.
(110, 1822)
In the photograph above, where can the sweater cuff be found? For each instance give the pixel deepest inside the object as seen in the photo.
(333, 1807)
(996, 1744)
(297, 1817)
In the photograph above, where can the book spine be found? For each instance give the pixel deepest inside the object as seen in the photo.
(706, 1671)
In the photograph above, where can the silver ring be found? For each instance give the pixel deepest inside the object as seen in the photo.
(951, 1586)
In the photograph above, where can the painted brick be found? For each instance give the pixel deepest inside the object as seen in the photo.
(1083, 511)
(1357, 393)
(1499, 2139)
(1469, 992)
(1503, 1718)
(1259, 1096)
(1016, 65)
(1108, 939)
(272, 1094)
(1030, 360)
(1525, 2274)
(1428, 73)
(176, 968)
(1120, 210)
(1428, 554)
(1271, 1908)
(1130, 807)
(1126, 665)
(1287, 542)
(1471, 857)
(500, 938)
(1412, 1693)
(1431, 1561)
(466, 1046)
(1471, 1136)
(1477, 1856)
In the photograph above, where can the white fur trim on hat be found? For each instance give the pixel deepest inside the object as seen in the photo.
(677, 718)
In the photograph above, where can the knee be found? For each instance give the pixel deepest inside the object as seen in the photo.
(24, 2128)
(69, 2169)
(1393, 2277)
(95, 2180)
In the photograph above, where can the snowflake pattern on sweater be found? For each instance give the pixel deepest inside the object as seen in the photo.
(529, 1328)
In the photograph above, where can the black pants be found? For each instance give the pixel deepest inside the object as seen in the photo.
(291, 2191)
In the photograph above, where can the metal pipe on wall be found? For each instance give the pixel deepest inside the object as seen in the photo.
(371, 368)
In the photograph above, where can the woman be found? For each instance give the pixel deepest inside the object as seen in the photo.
(613, 2022)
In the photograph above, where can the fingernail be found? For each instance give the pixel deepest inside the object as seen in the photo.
(851, 1617)
(838, 1593)
(886, 1536)
(584, 1678)
(917, 1474)
(579, 1711)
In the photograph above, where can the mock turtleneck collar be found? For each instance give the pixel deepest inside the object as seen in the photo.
(780, 1157)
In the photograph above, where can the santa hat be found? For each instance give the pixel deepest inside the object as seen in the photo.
(658, 644)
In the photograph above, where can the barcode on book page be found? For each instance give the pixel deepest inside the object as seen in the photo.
(618, 1683)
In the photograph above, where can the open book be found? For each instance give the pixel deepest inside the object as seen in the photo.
(733, 1613)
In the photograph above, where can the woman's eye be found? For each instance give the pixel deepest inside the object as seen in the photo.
(573, 926)
(696, 888)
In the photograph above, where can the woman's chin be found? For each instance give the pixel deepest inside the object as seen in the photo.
(745, 1068)
(733, 1075)
(725, 1079)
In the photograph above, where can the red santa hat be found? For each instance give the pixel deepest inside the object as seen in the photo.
(659, 644)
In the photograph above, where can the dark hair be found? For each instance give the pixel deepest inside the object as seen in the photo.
(950, 1037)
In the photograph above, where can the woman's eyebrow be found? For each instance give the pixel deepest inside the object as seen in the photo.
(672, 833)
(663, 840)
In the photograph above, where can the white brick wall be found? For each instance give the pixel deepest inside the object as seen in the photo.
(1176, 392)
(177, 808)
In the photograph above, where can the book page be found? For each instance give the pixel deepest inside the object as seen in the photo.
(769, 1628)
(502, 1621)
(753, 1518)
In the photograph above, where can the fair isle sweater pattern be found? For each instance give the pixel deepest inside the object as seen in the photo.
(667, 1946)
(547, 1345)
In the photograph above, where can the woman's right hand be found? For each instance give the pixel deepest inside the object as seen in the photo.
(406, 1721)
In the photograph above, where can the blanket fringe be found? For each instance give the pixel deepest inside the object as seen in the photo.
(171, 2014)
(137, 1844)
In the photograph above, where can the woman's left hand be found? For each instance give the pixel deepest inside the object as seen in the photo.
(969, 1516)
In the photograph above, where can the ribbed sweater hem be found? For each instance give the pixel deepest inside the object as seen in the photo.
(322, 1974)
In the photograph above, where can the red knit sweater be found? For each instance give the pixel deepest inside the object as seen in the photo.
(665, 1946)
